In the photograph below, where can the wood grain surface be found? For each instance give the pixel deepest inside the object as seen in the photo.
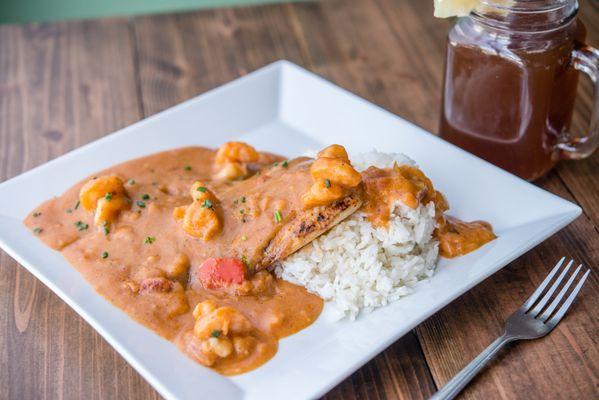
(65, 84)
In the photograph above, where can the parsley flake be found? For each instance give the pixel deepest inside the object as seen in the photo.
(145, 196)
(278, 216)
(150, 240)
(81, 226)
(187, 168)
(327, 183)
(215, 333)
(108, 196)
(202, 189)
(207, 204)
(37, 231)
(140, 204)
(105, 255)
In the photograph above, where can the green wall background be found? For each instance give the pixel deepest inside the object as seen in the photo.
(18, 11)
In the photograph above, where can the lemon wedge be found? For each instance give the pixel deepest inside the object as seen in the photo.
(454, 8)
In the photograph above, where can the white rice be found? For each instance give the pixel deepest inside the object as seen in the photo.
(357, 267)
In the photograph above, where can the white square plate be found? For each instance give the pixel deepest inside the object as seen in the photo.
(285, 109)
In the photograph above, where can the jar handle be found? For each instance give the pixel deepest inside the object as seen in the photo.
(585, 59)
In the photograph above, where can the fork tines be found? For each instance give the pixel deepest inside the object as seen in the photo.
(543, 309)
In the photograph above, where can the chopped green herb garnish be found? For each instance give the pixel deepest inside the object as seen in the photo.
(207, 204)
(105, 254)
(278, 217)
(241, 211)
(37, 231)
(284, 164)
(215, 333)
(131, 181)
(187, 168)
(105, 227)
(108, 196)
(37, 214)
(202, 189)
(140, 204)
(244, 260)
(243, 199)
(145, 196)
(276, 163)
(150, 240)
(77, 205)
(81, 226)
(327, 183)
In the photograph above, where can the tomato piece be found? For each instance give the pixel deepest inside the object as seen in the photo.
(214, 273)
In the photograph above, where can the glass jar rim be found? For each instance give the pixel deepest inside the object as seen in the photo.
(526, 15)
(529, 6)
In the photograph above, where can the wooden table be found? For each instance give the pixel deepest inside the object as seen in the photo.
(65, 84)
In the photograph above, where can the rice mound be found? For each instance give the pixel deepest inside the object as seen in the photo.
(358, 267)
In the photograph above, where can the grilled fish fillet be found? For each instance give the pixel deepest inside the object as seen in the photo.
(307, 226)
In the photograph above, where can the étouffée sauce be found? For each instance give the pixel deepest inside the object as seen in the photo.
(146, 244)
(410, 186)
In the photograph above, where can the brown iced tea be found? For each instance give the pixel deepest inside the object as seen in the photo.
(509, 94)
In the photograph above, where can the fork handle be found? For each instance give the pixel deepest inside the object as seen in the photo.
(462, 378)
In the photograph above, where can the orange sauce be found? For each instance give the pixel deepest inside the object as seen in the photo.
(139, 275)
(457, 238)
(142, 262)
(409, 185)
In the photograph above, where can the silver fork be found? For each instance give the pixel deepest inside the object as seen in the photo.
(534, 319)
